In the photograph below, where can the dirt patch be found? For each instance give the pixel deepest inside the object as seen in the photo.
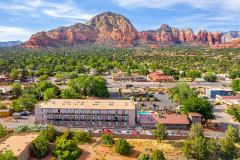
(171, 149)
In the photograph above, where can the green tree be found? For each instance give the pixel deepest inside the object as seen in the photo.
(25, 102)
(14, 74)
(181, 91)
(122, 147)
(194, 74)
(160, 133)
(234, 111)
(236, 85)
(82, 137)
(69, 93)
(227, 147)
(107, 139)
(7, 155)
(196, 148)
(199, 105)
(49, 93)
(157, 155)
(210, 77)
(40, 147)
(196, 130)
(233, 133)
(66, 149)
(16, 89)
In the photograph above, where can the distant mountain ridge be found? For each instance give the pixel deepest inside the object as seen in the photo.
(10, 43)
(116, 30)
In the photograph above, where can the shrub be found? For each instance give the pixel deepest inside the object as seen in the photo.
(107, 139)
(40, 147)
(122, 147)
(7, 155)
(82, 137)
(143, 156)
(157, 155)
(66, 150)
(50, 133)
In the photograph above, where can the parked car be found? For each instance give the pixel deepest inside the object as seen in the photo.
(117, 131)
(149, 133)
(126, 132)
(25, 113)
(17, 115)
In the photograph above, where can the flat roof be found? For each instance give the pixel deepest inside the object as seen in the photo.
(164, 119)
(87, 104)
(17, 143)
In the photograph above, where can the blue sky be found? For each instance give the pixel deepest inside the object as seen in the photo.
(21, 18)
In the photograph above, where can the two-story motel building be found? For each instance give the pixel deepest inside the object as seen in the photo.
(87, 113)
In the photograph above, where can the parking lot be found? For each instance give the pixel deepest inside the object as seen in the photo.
(11, 123)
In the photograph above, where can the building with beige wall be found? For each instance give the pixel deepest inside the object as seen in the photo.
(18, 144)
(102, 113)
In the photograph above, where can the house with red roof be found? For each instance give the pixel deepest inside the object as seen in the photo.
(160, 77)
(170, 121)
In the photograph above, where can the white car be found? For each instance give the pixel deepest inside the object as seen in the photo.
(126, 132)
(149, 133)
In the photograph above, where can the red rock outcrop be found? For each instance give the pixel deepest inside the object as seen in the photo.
(115, 29)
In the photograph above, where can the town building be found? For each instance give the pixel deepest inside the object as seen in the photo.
(228, 100)
(18, 144)
(170, 121)
(160, 77)
(195, 117)
(213, 92)
(104, 113)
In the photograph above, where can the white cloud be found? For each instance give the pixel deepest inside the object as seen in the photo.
(66, 10)
(10, 33)
(230, 5)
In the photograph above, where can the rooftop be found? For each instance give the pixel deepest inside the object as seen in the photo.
(194, 114)
(164, 119)
(87, 104)
(236, 97)
(17, 143)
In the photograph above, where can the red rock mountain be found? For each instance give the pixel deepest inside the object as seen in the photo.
(116, 30)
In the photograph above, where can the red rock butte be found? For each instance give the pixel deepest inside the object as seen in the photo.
(113, 29)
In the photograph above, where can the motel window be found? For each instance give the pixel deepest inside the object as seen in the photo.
(123, 112)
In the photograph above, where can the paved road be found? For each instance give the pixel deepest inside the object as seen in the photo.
(222, 117)
(114, 84)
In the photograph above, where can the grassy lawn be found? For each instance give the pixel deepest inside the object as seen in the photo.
(171, 149)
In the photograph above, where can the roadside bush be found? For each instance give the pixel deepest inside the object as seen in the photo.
(122, 147)
(107, 139)
(20, 129)
(40, 147)
(82, 137)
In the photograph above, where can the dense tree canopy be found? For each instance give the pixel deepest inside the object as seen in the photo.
(199, 105)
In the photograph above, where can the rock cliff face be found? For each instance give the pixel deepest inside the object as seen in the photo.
(230, 36)
(114, 29)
